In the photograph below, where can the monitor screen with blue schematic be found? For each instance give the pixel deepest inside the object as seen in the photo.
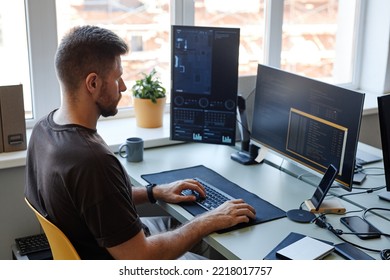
(204, 73)
(308, 121)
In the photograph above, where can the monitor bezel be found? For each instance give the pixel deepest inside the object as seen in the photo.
(384, 126)
(232, 82)
(347, 185)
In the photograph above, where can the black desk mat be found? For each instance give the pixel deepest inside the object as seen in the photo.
(265, 211)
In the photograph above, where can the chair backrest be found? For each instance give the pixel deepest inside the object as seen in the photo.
(61, 247)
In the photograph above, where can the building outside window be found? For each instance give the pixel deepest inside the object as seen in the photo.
(315, 38)
(248, 15)
(319, 39)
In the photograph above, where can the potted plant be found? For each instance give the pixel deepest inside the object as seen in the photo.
(149, 100)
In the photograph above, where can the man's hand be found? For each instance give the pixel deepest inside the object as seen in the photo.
(227, 215)
(171, 193)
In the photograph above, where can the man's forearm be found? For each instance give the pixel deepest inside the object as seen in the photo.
(173, 244)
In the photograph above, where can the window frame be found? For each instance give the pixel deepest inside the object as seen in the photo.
(42, 44)
(371, 72)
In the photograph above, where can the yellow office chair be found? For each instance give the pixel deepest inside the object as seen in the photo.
(60, 245)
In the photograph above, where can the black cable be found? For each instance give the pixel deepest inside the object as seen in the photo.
(321, 222)
(385, 254)
(336, 232)
(360, 233)
(363, 170)
(370, 188)
(243, 126)
(367, 190)
(353, 211)
(375, 208)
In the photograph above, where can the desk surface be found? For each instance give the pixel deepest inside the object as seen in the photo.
(269, 183)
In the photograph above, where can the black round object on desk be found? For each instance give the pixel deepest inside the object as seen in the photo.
(300, 216)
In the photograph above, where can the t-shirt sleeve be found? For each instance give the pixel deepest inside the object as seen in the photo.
(107, 206)
(113, 221)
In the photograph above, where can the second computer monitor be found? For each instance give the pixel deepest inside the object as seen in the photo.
(384, 124)
(204, 84)
(310, 122)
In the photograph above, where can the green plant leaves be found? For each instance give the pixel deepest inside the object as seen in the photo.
(149, 87)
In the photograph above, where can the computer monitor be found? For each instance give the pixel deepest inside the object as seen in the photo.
(312, 123)
(384, 125)
(204, 71)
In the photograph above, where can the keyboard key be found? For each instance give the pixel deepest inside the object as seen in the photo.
(214, 196)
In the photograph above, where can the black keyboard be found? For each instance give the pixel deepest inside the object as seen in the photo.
(32, 244)
(214, 196)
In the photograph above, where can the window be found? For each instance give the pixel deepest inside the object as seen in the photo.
(318, 39)
(358, 52)
(13, 50)
(248, 15)
(144, 25)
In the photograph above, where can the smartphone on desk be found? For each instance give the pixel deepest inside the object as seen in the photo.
(324, 186)
(359, 226)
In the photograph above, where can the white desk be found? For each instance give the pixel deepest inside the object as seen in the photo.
(269, 183)
(374, 180)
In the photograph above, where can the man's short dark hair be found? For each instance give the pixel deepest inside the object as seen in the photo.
(84, 50)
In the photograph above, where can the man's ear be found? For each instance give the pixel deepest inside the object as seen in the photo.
(92, 82)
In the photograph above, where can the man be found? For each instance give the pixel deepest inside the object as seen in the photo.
(77, 182)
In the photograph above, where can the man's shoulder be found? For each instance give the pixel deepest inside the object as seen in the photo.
(43, 122)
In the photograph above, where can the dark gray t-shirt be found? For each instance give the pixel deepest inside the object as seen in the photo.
(77, 182)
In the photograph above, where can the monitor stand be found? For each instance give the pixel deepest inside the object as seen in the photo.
(246, 157)
(248, 152)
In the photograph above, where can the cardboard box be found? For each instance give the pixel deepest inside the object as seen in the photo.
(12, 119)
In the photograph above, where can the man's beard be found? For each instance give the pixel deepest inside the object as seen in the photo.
(107, 110)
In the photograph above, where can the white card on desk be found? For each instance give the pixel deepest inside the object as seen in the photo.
(306, 248)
